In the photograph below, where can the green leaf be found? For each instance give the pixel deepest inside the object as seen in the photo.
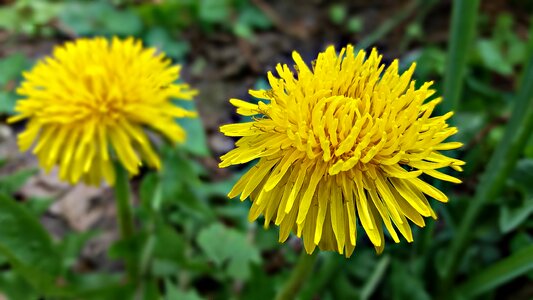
(27, 245)
(222, 244)
(528, 151)
(11, 66)
(169, 245)
(492, 57)
(7, 102)
(100, 18)
(214, 11)
(177, 171)
(253, 18)
(28, 16)
(470, 124)
(127, 248)
(9, 184)
(510, 219)
(100, 286)
(243, 30)
(503, 30)
(160, 38)
(15, 286)
(39, 205)
(431, 61)
(8, 18)
(499, 273)
(71, 246)
(173, 293)
(149, 192)
(196, 142)
(523, 177)
(122, 23)
(179, 181)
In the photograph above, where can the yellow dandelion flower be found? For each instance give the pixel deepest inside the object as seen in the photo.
(344, 140)
(89, 103)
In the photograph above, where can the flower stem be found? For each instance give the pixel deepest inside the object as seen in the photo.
(299, 275)
(124, 214)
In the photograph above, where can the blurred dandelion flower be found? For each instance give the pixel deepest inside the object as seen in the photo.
(88, 104)
(348, 139)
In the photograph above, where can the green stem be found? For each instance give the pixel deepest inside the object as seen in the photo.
(463, 25)
(498, 169)
(124, 214)
(331, 264)
(299, 275)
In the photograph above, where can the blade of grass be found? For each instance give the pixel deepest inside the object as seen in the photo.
(498, 169)
(464, 16)
(376, 277)
(499, 273)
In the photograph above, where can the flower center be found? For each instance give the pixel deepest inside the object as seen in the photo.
(347, 132)
(107, 98)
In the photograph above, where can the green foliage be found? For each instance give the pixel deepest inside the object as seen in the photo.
(223, 245)
(521, 179)
(9, 184)
(173, 293)
(196, 142)
(375, 278)
(27, 246)
(191, 242)
(501, 272)
(100, 18)
(504, 50)
(11, 67)
(29, 16)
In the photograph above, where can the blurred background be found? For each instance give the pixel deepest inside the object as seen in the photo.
(193, 242)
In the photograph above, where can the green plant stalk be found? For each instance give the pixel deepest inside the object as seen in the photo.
(498, 169)
(463, 25)
(331, 264)
(501, 272)
(299, 275)
(124, 213)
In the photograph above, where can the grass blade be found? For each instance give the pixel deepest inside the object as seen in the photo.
(499, 273)
(374, 279)
(498, 169)
(464, 16)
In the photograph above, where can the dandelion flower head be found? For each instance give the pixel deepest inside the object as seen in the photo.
(89, 104)
(344, 142)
